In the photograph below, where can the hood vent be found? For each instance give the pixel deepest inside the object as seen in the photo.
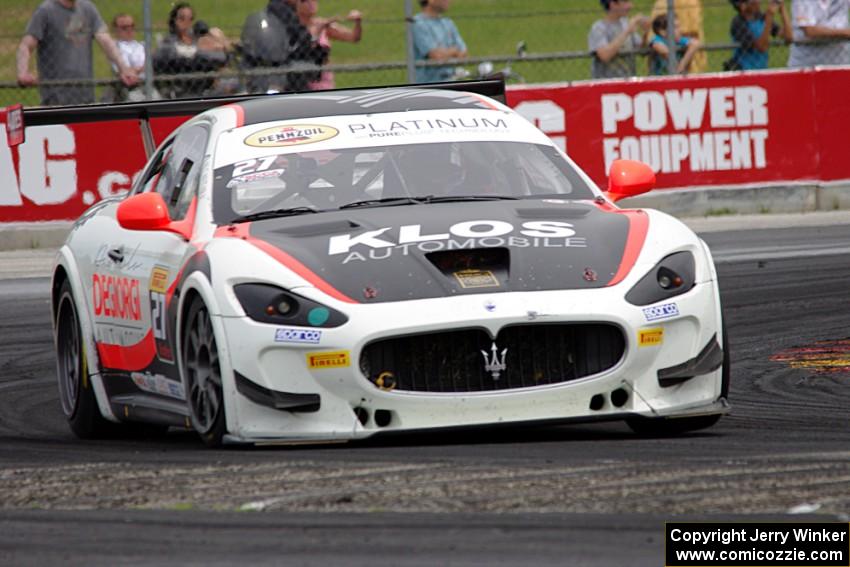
(475, 268)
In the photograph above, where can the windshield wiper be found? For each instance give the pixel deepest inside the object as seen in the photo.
(275, 213)
(386, 201)
(393, 201)
(456, 198)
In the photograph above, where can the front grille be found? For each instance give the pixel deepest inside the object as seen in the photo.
(452, 361)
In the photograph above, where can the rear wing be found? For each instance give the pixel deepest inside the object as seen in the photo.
(17, 117)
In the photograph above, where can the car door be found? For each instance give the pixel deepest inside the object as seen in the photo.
(151, 261)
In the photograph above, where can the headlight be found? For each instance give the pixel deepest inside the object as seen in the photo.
(271, 304)
(672, 276)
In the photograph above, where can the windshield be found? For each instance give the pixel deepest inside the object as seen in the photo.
(315, 181)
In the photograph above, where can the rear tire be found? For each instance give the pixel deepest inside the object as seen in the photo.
(76, 393)
(203, 375)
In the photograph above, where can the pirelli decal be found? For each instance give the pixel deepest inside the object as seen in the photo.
(330, 359)
(159, 280)
(650, 337)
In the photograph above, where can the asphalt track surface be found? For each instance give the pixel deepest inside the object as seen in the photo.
(577, 495)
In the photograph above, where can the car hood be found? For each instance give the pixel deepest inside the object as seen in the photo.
(397, 253)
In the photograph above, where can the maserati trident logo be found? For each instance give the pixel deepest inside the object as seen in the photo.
(494, 365)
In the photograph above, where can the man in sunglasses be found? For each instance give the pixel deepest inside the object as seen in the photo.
(132, 52)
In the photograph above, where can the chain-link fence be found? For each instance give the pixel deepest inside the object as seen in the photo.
(236, 46)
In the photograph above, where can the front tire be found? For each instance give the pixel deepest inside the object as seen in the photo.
(75, 388)
(203, 375)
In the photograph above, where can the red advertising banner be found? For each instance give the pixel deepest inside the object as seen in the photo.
(724, 129)
(61, 170)
(712, 130)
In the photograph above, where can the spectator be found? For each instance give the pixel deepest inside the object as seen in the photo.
(823, 21)
(132, 53)
(63, 31)
(187, 49)
(435, 38)
(752, 29)
(689, 20)
(612, 34)
(323, 31)
(686, 47)
(275, 37)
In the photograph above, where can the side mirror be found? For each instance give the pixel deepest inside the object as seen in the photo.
(145, 211)
(148, 211)
(629, 178)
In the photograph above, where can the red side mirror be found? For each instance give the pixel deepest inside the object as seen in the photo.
(145, 211)
(628, 178)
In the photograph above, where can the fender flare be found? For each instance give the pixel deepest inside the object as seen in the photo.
(66, 260)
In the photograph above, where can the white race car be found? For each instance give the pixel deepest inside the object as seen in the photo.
(335, 265)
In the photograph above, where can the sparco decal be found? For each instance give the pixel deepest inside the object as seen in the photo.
(382, 243)
(661, 311)
(116, 297)
(291, 135)
(737, 117)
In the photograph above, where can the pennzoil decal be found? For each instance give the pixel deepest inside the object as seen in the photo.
(291, 135)
(476, 278)
(331, 359)
(650, 337)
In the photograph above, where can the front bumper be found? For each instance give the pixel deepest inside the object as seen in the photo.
(351, 406)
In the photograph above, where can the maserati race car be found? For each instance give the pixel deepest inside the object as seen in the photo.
(335, 265)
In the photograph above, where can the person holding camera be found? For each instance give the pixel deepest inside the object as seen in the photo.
(752, 30)
(613, 35)
(324, 30)
(274, 38)
(190, 47)
(821, 33)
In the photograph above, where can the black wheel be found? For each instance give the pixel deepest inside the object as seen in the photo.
(75, 388)
(203, 375)
(669, 427)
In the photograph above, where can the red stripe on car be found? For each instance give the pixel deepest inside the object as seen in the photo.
(240, 114)
(242, 230)
(133, 357)
(638, 227)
